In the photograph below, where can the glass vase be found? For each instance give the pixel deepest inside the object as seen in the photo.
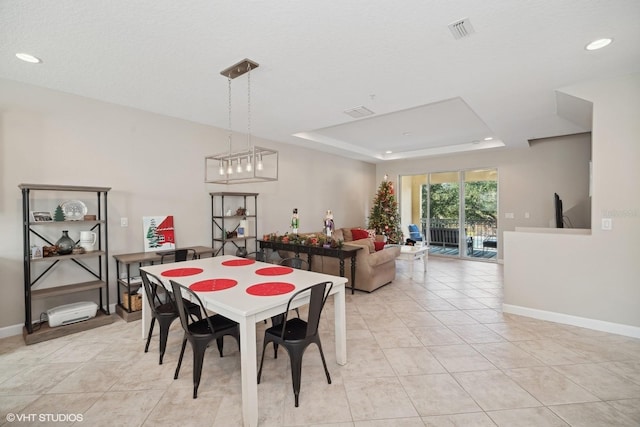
(65, 244)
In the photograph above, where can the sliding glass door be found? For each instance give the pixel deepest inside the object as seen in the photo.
(457, 211)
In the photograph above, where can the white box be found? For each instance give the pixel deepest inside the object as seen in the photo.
(71, 313)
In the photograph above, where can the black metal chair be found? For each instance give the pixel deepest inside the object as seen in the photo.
(163, 309)
(179, 255)
(257, 255)
(296, 334)
(200, 332)
(296, 262)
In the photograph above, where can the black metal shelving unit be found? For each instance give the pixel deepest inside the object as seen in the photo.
(221, 223)
(36, 270)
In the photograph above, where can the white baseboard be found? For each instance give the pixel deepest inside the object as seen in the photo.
(567, 319)
(10, 331)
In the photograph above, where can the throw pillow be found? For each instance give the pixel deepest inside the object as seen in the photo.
(372, 234)
(378, 246)
(358, 234)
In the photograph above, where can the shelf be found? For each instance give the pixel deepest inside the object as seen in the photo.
(234, 239)
(91, 254)
(80, 221)
(45, 332)
(233, 216)
(67, 289)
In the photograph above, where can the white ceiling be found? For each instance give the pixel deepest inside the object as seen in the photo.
(431, 93)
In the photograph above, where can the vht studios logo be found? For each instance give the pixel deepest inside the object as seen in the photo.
(44, 418)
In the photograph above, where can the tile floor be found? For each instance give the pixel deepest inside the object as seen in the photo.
(429, 350)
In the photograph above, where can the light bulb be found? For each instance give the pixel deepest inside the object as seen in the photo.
(221, 167)
(230, 168)
(260, 166)
(239, 168)
(248, 163)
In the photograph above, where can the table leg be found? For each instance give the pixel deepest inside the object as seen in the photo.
(340, 325)
(249, 372)
(146, 316)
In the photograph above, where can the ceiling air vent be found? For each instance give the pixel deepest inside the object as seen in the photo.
(358, 112)
(461, 29)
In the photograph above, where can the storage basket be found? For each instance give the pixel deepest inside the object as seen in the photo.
(136, 301)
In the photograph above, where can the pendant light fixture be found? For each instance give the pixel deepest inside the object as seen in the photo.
(261, 163)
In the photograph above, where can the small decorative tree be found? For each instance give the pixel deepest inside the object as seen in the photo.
(58, 215)
(384, 217)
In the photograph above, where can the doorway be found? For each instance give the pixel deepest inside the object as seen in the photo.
(456, 211)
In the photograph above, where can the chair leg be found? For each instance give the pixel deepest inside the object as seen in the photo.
(184, 345)
(153, 322)
(198, 357)
(296, 372)
(324, 363)
(220, 342)
(164, 333)
(264, 347)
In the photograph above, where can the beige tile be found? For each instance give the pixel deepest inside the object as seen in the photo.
(413, 361)
(319, 403)
(596, 414)
(527, 417)
(551, 352)
(37, 379)
(418, 319)
(629, 407)
(628, 369)
(506, 355)
(493, 390)
(130, 407)
(378, 398)
(549, 386)
(460, 358)
(476, 333)
(394, 338)
(395, 422)
(437, 335)
(486, 315)
(600, 381)
(454, 317)
(62, 409)
(476, 419)
(90, 377)
(437, 394)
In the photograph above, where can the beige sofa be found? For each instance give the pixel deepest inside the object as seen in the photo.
(373, 268)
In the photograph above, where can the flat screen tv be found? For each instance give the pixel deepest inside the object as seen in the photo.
(558, 207)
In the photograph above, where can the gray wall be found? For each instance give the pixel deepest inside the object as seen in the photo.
(155, 166)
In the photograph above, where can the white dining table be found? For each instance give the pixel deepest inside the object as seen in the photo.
(239, 303)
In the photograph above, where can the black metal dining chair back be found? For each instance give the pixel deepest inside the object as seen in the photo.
(297, 263)
(163, 309)
(179, 255)
(200, 331)
(257, 255)
(296, 334)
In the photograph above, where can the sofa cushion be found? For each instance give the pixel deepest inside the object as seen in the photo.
(358, 233)
(378, 246)
(337, 234)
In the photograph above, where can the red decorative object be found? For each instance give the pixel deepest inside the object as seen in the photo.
(211, 285)
(274, 271)
(358, 234)
(378, 246)
(238, 262)
(270, 289)
(181, 272)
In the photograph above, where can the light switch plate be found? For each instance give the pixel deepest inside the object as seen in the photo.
(607, 224)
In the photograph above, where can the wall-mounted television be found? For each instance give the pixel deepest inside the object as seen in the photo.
(558, 207)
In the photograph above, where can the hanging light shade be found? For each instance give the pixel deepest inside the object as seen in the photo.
(261, 163)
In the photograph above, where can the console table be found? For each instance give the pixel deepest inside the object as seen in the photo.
(141, 258)
(340, 253)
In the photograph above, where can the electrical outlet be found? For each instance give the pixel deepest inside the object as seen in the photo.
(124, 222)
(607, 224)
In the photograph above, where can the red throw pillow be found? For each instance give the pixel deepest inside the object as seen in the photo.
(378, 245)
(359, 234)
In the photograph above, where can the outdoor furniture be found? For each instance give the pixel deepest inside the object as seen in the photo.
(414, 233)
(490, 242)
(439, 236)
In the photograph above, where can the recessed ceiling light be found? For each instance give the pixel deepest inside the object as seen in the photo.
(406, 133)
(388, 152)
(28, 58)
(598, 44)
(489, 138)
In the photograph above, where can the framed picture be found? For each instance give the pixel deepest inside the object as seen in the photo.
(159, 234)
(41, 216)
(36, 252)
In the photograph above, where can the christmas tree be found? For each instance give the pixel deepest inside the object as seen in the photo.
(384, 217)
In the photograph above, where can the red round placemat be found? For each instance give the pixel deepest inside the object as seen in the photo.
(211, 285)
(238, 262)
(270, 288)
(180, 272)
(274, 271)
